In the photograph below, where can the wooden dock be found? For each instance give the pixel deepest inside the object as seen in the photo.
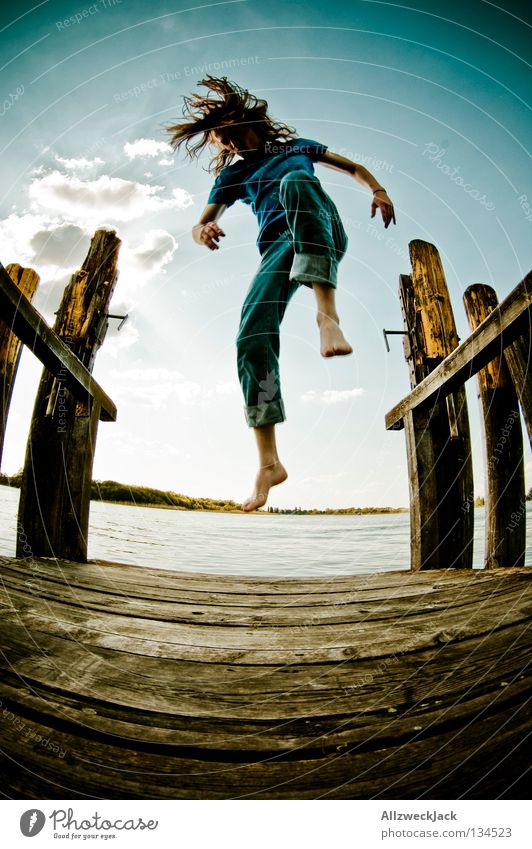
(121, 681)
(129, 682)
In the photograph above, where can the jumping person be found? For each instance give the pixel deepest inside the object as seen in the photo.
(301, 240)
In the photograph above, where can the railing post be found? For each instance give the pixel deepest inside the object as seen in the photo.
(27, 281)
(503, 441)
(437, 438)
(518, 358)
(55, 494)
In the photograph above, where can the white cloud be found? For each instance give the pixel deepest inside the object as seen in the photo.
(154, 252)
(81, 164)
(223, 387)
(43, 243)
(146, 148)
(165, 161)
(122, 442)
(142, 262)
(119, 340)
(332, 396)
(155, 387)
(61, 246)
(102, 201)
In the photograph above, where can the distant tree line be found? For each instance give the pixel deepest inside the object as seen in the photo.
(130, 494)
(347, 511)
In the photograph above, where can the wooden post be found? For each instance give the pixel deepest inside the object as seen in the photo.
(503, 439)
(437, 437)
(518, 358)
(56, 484)
(27, 281)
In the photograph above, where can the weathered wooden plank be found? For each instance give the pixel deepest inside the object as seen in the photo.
(505, 324)
(96, 573)
(30, 572)
(438, 442)
(26, 281)
(114, 703)
(422, 700)
(518, 359)
(503, 446)
(56, 482)
(420, 765)
(212, 610)
(346, 723)
(31, 328)
(158, 690)
(261, 644)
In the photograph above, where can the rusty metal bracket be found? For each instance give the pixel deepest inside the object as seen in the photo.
(123, 317)
(387, 333)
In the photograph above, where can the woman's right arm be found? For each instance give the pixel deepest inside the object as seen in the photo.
(207, 231)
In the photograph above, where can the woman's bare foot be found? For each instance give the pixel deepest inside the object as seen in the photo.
(267, 477)
(332, 340)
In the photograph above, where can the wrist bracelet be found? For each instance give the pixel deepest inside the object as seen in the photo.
(378, 190)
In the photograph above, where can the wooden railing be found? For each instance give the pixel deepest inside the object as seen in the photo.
(56, 484)
(435, 418)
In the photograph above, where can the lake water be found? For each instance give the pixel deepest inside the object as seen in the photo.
(235, 544)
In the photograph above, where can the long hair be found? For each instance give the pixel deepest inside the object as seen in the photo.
(205, 113)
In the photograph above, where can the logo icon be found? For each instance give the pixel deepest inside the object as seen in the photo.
(32, 822)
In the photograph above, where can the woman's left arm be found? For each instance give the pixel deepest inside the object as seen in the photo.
(362, 175)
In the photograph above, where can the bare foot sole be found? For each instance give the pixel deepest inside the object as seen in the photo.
(267, 477)
(332, 341)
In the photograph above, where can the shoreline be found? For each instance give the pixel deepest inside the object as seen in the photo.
(355, 511)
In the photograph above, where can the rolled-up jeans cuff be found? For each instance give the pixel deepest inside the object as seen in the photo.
(314, 268)
(272, 412)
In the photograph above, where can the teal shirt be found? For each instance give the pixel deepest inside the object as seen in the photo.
(255, 179)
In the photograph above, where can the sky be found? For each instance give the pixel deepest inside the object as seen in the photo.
(420, 94)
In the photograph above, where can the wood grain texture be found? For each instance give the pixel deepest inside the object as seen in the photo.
(56, 482)
(503, 446)
(518, 357)
(31, 328)
(26, 280)
(127, 682)
(503, 326)
(438, 442)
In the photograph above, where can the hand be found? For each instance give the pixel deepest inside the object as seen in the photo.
(208, 234)
(382, 201)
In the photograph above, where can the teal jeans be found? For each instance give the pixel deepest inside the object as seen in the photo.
(306, 252)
